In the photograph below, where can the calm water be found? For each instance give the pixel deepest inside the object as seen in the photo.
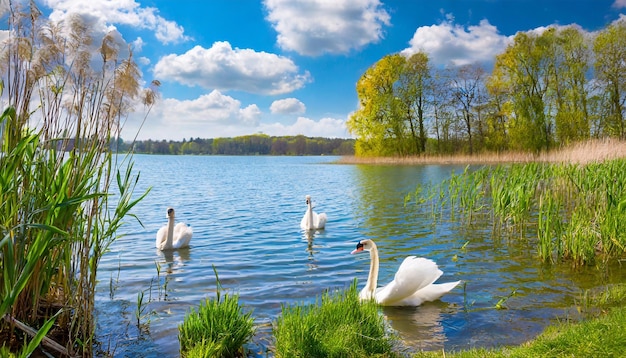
(245, 212)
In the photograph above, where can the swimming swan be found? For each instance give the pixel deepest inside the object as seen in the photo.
(311, 220)
(412, 285)
(173, 237)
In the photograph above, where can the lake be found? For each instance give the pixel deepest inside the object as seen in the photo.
(245, 213)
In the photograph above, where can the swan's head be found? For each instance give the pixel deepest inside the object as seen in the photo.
(364, 245)
(170, 213)
(308, 199)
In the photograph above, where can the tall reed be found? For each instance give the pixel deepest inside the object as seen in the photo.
(577, 212)
(63, 192)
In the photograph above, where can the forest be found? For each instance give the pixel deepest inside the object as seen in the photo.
(546, 90)
(256, 144)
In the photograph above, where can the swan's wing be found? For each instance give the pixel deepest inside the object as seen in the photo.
(429, 293)
(413, 274)
(320, 220)
(182, 235)
(161, 236)
(304, 223)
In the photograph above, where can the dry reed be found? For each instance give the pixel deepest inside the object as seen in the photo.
(596, 150)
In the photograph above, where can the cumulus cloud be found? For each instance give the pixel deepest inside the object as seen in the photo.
(325, 127)
(448, 43)
(619, 4)
(216, 115)
(123, 12)
(315, 27)
(212, 108)
(224, 68)
(287, 106)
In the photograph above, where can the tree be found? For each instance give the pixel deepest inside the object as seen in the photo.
(610, 52)
(567, 84)
(522, 68)
(467, 89)
(414, 87)
(392, 112)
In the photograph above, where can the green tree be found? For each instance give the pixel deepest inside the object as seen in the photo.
(610, 52)
(522, 67)
(567, 84)
(392, 113)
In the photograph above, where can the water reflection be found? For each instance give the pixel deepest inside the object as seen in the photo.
(418, 327)
(173, 260)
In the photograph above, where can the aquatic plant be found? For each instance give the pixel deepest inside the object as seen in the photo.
(336, 325)
(217, 328)
(577, 212)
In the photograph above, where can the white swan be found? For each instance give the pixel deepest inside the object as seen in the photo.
(412, 285)
(173, 236)
(311, 220)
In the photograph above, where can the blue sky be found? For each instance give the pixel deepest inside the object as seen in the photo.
(287, 67)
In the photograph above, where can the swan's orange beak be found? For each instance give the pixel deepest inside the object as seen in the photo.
(359, 248)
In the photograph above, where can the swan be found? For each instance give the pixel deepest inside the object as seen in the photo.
(412, 285)
(311, 220)
(173, 236)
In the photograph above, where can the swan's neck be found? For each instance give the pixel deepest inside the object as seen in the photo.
(372, 279)
(170, 233)
(309, 216)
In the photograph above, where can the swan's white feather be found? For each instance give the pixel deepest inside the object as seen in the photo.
(413, 283)
(413, 275)
(312, 220)
(161, 236)
(182, 235)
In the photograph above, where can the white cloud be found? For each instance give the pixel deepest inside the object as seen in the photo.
(208, 116)
(216, 115)
(213, 108)
(224, 68)
(124, 12)
(325, 127)
(287, 106)
(619, 4)
(448, 43)
(315, 27)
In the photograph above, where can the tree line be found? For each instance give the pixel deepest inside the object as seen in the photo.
(545, 90)
(256, 144)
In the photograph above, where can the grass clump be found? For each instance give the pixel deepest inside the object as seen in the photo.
(337, 325)
(218, 328)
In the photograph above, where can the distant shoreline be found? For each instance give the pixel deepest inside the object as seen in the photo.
(580, 153)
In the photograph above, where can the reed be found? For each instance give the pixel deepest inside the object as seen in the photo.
(593, 150)
(336, 325)
(575, 211)
(63, 192)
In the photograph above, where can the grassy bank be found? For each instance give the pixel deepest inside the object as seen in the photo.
(581, 153)
(601, 337)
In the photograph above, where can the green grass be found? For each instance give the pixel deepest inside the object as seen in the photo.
(218, 328)
(337, 325)
(600, 334)
(600, 337)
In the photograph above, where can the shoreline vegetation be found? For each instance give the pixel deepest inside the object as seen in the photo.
(597, 150)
